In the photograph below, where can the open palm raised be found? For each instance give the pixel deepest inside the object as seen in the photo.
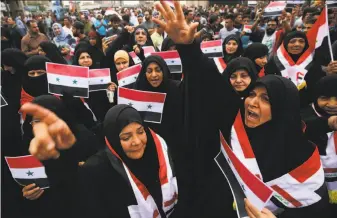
(175, 25)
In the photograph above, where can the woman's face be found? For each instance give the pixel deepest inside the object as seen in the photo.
(133, 140)
(41, 52)
(36, 73)
(85, 60)
(57, 30)
(261, 61)
(121, 64)
(141, 36)
(240, 80)
(328, 104)
(296, 46)
(154, 74)
(231, 47)
(93, 41)
(257, 108)
(173, 47)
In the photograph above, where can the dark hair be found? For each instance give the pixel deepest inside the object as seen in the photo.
(311, 20)
(308, 10)
(68, 18)
(29, 22)
(126, 18)
(238, 14)
(115, 18)
(213, 18)
(150, 12)
(187, 12)
(229, 16)
(245, 16)
(274, 19)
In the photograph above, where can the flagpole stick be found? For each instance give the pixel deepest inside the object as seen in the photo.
(329, 42)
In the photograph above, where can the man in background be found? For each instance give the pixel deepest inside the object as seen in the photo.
(31, 41)
(148, 24)
(100, 26)
(15, 35)
(229, 27)
(116, 28)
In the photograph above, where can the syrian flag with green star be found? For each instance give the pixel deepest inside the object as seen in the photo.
(135, 58)
(149, 104)
(212, 49)
(67, 78)
(148, 50)
(99, 79)
(172, 60)
(27, 170)
(127, 77)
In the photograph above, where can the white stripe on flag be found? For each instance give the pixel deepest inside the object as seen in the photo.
(69, 81)
(135, 58)
(210, 50)
(173, 61)
(128, 80)
(142, 105)
(29, 173)
(99, 80)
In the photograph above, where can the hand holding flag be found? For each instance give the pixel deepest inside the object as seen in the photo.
(50, 133)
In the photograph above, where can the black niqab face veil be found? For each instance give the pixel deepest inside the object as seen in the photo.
(279, 145)
(36, 86)
(142, 82)
(326, 86)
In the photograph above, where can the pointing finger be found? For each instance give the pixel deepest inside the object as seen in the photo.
(40, 113)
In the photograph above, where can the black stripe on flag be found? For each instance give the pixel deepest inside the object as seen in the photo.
(151, 116)
(41, 182)
(58, 89)
(272, 14)
(175, 68)
(332, 5)
(98, 87)
(213, 55)
(235, 186)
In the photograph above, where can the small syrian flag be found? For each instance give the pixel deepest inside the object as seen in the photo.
(212, 49)
(149, 104)
(247, 28)
(172, 60)
(3, 101)
(274, 9)
(148, 50)
(135, 58)
(99, 79)
(253, 188)
(331, 4)
(220, 64)
(67, 78)
(292, 4)
(27, 170)
(127, 77)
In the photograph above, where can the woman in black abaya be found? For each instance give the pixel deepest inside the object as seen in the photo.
(232, 48)
(258, 54)
(295, 44)
(116, 181)
(50, 51)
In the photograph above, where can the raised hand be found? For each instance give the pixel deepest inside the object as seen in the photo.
(253, 212)
(175, 25)
(50, 133)
(31, 192)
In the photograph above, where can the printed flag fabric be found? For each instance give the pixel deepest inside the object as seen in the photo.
(149, 104)
(99, 79)
(67, 78)
(27, 170)
(274, 9)
(292, 4)
(220, 64)
(127, 77)
(331, 4)
(172, 60)
(254, 189)
(135, 58)
(319, 31)
(212, 49)
(148, 50)
(247, 28)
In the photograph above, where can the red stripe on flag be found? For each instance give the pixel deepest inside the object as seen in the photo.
(162, 164)
(67, 70)
(330, 170)
(222, 63)
(276, 4)
(167, 54)
(255, 185)
(148, 49)
(137, 95)
(23, 162)
(209, 44)
(129, 72)
(99, 72)
(308, 168)
(243, 138)
(312, 33)
(133, 54)
(286, 196)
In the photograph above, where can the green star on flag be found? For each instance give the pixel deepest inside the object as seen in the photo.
(57, 79)
(75, 81)
(29, 173)
(102, 80)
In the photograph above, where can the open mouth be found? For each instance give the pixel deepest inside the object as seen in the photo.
(251, 115)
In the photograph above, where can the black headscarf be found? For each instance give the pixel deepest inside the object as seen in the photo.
(326, 86)
(279, 145)
(85, 48)
(295, 34)
(254, 51)
(133, 37)
(241, 63)
(239, 51)
(167, 43)
(143, 84)
(146, 168)
(52, 52)
(36, 86)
